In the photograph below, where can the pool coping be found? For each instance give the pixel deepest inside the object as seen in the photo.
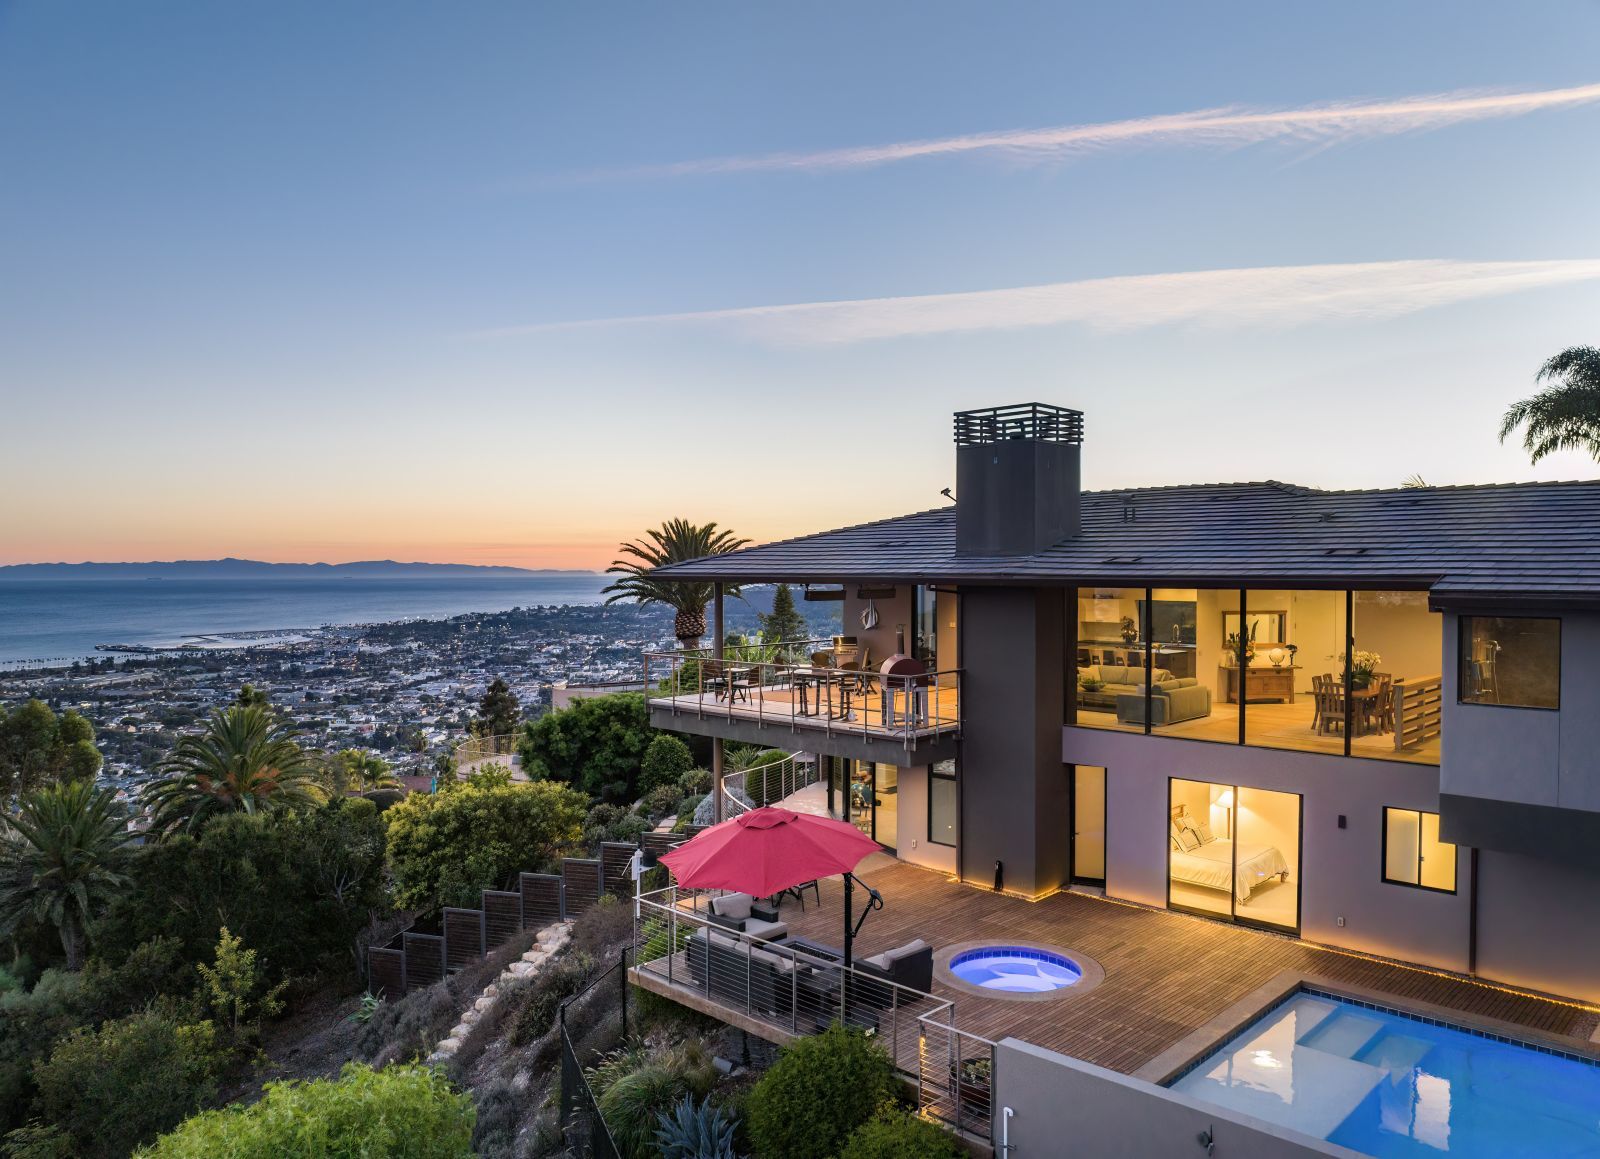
(1092, 973)
(1183, 1055)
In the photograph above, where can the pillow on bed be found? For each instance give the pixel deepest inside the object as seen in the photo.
(1188, 840)
(1203, 831)
(1172, 840)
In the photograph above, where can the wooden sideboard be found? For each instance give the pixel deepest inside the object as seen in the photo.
(1266, 683)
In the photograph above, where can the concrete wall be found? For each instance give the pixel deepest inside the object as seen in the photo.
(1340, 873)
(891, 612)
(1014, 798)
(1061, 1106)
(1539, 925)
(912, 844)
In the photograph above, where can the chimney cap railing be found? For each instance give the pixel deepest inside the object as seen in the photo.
(1029, 420)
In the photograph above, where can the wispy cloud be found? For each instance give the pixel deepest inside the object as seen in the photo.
(1319, 125)
(1273, 296)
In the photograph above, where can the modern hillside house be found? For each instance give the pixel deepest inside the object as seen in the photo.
(1366, 719)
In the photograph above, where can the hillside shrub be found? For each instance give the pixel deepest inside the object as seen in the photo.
(894, 1133)
(686, 811)
(400, 1112)
(30, 1022)
(298, 888)
(818, 1092)
(696, 782)
(116, 1087)
(553, 985)
(666, 759)
(633, 1086)
(606, 822)
(596, 745)
(444, 849)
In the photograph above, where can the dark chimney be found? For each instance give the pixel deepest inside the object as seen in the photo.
(1017, 478)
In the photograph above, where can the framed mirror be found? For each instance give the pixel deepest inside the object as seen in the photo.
(1270, 627)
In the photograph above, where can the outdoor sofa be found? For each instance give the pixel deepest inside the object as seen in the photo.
(743, 914)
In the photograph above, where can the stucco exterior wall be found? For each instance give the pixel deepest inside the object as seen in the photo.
(1061, 1106)
(1539, 925)
(912, 844)
(1341, 870)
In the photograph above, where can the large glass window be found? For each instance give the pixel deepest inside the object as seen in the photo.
(1413, 853)
(1511, 660)
(1088, 823)
(1234, 852)
(1113, 644)
(1293, 657)
(1395, 677)
(943, 803)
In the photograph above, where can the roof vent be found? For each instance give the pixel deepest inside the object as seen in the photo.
(1122, 560)
(1130, 513)
(1345, 551)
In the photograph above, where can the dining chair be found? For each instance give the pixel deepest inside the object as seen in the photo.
(1383, 703)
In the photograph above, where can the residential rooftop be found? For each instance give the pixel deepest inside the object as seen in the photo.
(1523, 543)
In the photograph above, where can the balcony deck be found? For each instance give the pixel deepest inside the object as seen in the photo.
(1167, 975)
(779, 707)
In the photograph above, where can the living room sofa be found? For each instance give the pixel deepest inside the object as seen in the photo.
(1171, 701)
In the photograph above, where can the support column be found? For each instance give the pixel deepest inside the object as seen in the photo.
(717, 799)
(1015, 799)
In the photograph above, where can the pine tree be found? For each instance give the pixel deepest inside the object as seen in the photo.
(784, 622)
(498, 711)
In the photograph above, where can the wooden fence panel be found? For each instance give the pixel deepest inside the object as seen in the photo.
(541, 900)
(386, 972)
(463, 937)
(580, 878)
(502, 917)
(424, 960)
(659, 843)
(616, 859)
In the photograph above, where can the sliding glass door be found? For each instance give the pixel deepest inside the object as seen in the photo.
(1234, 852)
(875, 801)
(1089, 824)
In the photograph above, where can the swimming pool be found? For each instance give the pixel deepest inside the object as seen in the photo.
(1016, 969)
(1391, 1085)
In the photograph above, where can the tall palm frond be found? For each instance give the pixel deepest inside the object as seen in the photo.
(60, 860)
(246, 761)
(675, 541)
(1565, 416)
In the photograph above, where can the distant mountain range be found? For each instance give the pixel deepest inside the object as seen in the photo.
(255, 569)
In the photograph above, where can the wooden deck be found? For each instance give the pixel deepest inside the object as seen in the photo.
(1166, 974)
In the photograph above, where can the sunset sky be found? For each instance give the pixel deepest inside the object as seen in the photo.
(506, 283)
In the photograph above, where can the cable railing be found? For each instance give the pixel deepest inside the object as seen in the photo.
(477, 749)
(797, 987)
(767, 784)
(810, 695)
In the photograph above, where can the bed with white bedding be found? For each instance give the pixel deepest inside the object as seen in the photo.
(1211, 866)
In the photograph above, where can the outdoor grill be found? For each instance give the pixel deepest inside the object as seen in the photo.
(900, 674)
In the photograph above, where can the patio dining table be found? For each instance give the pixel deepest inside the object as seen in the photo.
(823, 681)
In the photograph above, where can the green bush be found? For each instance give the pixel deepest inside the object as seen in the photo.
(666, 759)
(445, 848)
(894, 1133)
(400, 1112)
(30, 1022)
(818, 1092)
(686, 808)
(660, 802)
(596, 745)
(114, 1088)
(298, 888)
(607, 822)
(696, 782)
(635, 1085)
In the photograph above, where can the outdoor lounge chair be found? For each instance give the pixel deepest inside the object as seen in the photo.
(741, 913)
(910, 965)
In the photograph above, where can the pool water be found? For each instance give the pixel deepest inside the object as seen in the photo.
(1015, 969)
(1388, 1085)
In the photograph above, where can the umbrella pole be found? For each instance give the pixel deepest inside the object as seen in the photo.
(849, 932)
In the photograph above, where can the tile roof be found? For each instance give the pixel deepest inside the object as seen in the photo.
(1526, 542)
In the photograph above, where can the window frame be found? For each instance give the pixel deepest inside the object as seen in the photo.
(955, 779)
(1383, 854)
(1462, 635)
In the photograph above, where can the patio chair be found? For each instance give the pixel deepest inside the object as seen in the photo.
(714, 677)
(739, 912)
(798, 892)
(910, 965)
(744, 679)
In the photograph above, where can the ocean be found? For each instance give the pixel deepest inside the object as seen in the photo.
(58, 621)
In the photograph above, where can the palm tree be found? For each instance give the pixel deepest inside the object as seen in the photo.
(358, 770)
(1566, 415)
(246, 761)
(675, 541)
(60, 858)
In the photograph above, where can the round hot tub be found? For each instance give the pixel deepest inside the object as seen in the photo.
(1016, 970)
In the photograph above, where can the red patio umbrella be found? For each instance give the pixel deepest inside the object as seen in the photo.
(767, 850)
